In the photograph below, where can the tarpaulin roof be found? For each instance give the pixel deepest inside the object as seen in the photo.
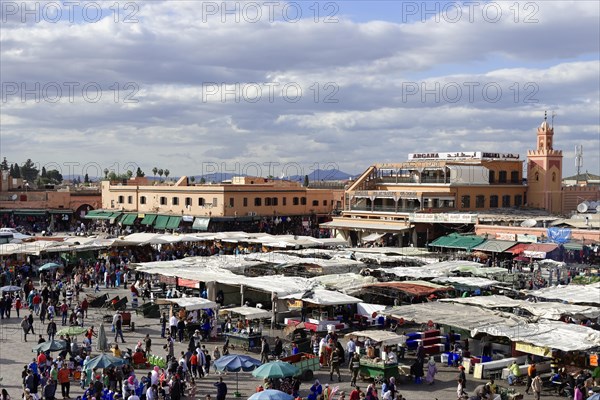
(466, 281)
(495, 246)
(431, 270)
(248, 312)
(577, 294)
(348, 283)
(455, 315)
(369, 308)
(518, 248)
(323, 297)
(539, 250)
(549, 334)
(386, 338)
(457, 241)
(193, 303)
(412, 288)
(547, 310)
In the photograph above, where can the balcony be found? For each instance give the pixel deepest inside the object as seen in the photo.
(386, 209)
(413, 180)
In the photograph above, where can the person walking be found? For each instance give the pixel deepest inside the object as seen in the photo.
(355, 364)
(536, 387)
(334, 364)
(531, 373)
(351, 349)
(221, 389)
(63, 379)
(119, 329)
(26, 327)
(264, 351)
(51, 330)
(163, 325)
(431, 371)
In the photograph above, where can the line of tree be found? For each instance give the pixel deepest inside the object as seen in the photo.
(30, 173)
(161, 172)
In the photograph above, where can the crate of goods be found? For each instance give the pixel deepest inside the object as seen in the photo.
(414, 335)
(434, 349)
(431, 333)
(413, 344)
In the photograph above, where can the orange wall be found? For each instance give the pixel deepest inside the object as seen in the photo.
(576, 234)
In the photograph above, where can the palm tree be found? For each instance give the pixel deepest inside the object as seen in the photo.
(192, 179)
(167, 172)
(160, 173)
(154, 171)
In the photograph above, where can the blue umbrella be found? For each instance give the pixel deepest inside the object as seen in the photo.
(11, 288)
(49, 266)
(271, 394)
(236, 363)
(53, 345)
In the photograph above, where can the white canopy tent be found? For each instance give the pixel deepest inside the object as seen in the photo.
(247, 312)
(472, 282)
(193, 303)
(322, 297)
(385, 338)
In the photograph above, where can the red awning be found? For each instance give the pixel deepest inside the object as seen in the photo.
(517, 248)
(188, 283)
(542, 247)
(411, 288)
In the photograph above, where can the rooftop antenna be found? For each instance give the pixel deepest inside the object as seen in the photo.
(578, 158)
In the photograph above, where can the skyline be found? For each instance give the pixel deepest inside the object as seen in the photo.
(200, 84)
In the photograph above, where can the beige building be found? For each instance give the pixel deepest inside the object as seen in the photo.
(242, 198)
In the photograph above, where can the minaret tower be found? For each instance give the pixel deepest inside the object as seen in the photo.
(544, 171)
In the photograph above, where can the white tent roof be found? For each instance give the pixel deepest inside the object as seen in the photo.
(373, 237)
(547, 310)
(386, 338)
(577, 294)
(434, 270)
(193, 303)
(323, 297)
(348, 283)
(248, 312)
(457, 315)
(466, 281)
(369, 309)
(549, 334)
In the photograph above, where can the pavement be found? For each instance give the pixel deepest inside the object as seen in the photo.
(15, 353)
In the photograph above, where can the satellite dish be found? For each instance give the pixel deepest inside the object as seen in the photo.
(13, 197)
(529, 223)
(582, 207)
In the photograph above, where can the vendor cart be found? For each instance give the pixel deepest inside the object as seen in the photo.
(300, 336)
(248, 341)
(377, 370)
(306, 363)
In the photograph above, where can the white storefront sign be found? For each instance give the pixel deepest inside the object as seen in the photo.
(526, 238)
(446, 218)
(506, 236)
(463, 155)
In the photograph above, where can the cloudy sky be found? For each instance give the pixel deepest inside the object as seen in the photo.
(200, 87)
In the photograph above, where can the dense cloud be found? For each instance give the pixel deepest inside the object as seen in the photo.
(170, 84)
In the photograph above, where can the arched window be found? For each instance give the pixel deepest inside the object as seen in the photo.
(537, 176)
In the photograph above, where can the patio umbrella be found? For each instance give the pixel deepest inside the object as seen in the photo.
(275, 369)
(271, 394)
(104, 361)
(71, 331)
(102, 342)
(53, 345)
(10, 289)
(236, 363)
(49, 267)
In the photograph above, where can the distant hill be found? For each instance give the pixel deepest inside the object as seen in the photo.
(323, 175)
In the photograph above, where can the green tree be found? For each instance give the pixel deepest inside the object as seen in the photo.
(11, 170)
(28, 171)
(192, 179)
(167, 172)
(106, 171)
(86, 178)
(54, 176)
(129, 174)
(139, 173)
(160, 173)
(17, 171)
(44, 174)
(154, 171)
(306, 182)
(202, 181)
(4, 165)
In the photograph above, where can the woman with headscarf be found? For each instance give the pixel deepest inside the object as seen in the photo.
(371, 393)
(431, 371)
(315, 390)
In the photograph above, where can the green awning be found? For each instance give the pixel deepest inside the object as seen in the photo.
(456, 241)
(201, 223)
(161, 222)
(31, 212)
(573, 246)
(128, 219)
(6, 211)
(148, 219)
(94, 212)
(104, 215)
(60, 211)
(173, 222)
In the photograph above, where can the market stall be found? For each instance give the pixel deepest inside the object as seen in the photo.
(191, 308)
(247, 332)
(375, 361)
